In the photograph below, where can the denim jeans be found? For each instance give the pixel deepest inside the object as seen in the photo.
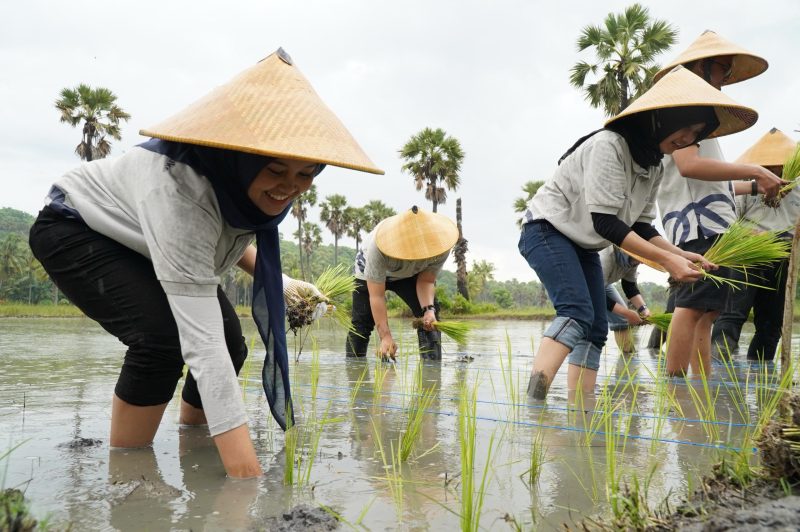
(573, 278)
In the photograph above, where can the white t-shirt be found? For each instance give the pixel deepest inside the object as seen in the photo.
(691, 208)
(600, 176)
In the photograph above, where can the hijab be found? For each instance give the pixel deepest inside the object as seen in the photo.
(230, 174)
(644, 131)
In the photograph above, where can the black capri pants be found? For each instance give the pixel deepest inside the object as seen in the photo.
(117, 287)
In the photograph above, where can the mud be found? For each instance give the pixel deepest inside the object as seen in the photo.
(80, 443)
(302, 518)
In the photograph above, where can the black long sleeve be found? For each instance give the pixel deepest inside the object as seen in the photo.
(610, 227)
(630, 288)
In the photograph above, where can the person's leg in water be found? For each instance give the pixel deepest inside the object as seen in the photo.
(555, 259)
(584, 363)
(361, 316)
(430, 342)
(768, 313)
(728, 326)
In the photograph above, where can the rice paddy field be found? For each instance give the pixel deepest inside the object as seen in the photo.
(402, 446)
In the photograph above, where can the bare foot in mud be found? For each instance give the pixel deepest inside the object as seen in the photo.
(538, 385)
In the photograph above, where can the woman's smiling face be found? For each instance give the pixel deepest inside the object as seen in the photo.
(681, 138)
(279, 182)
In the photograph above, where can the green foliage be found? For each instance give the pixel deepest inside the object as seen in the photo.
(625, 46)
(14, 221)
(521, 204)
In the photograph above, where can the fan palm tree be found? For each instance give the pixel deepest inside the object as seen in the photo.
(332, 214)
(460, 256)
(300, 211)
(12, 254)
(100, 115)
(521, 204)
(376, 212)
(311, 238)
(434, 160)
(356, 219)
(625, 47)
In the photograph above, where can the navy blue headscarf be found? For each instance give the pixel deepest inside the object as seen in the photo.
(231, 173)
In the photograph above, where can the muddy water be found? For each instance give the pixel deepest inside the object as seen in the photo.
(57, 377)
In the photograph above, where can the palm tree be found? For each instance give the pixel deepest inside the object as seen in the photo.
(356, 220)
(434, 160)
(482, 272)
(310, 241)
(300, 211)
(521, 204)
(460, 256)
(626, 49)
(100, 115)
(12, 262)
(332, 214)
(376, 212)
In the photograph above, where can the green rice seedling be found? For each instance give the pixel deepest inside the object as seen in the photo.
(511, 384)
(472, 496)
(314, 372)
(536, 460)
(332, 283)
(706, 404)
(415, 415)
(660, 321)
(247, 367)
(381, 369)
(457, 330)
(741, 247)
(290, 438)
(392, 464)
(791, 171)
(357, 385)
(311, 434)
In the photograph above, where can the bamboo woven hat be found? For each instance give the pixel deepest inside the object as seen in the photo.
(269, 109)
(745, 65)
(416, 235)
(681, 88)
(773, 149)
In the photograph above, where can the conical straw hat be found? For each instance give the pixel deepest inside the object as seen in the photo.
(416, 234)
(745, 64)
(681, 88)
(269, 109)
(773, 149)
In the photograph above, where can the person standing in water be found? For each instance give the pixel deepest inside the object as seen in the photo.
(603, 193)
(139, 242)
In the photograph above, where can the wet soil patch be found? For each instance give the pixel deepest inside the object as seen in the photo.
(303, 518)
(80, 443)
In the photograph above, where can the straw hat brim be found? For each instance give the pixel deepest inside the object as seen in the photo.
(772, 149)
(416, 236)
(746, 64)
(269, 109)
(681, 88)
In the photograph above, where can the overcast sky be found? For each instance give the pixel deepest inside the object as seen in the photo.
(493, 74)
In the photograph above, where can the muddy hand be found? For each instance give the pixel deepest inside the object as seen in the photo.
(768, 183)
(388, 348)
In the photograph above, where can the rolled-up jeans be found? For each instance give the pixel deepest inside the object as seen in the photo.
(573, 278)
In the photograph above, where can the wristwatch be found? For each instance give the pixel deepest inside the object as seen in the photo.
(426, 308)
(641, 309)
(754, 190)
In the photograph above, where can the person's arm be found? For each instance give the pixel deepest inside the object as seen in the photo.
(248, 260)
(632, 317)
(426, 291)
(377, 304)
(691, 165)
(631, 290)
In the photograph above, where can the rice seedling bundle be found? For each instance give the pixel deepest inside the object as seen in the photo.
(660, 321)
(741, 247)
(791, 171)
(333, 283)
(457, 330)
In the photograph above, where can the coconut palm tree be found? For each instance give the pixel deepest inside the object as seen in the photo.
(434, 160)
(100, 115)
(356, 219)
(376, 212)
(300, 211)
(332, 214)
(625, 47)
(521, 204)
